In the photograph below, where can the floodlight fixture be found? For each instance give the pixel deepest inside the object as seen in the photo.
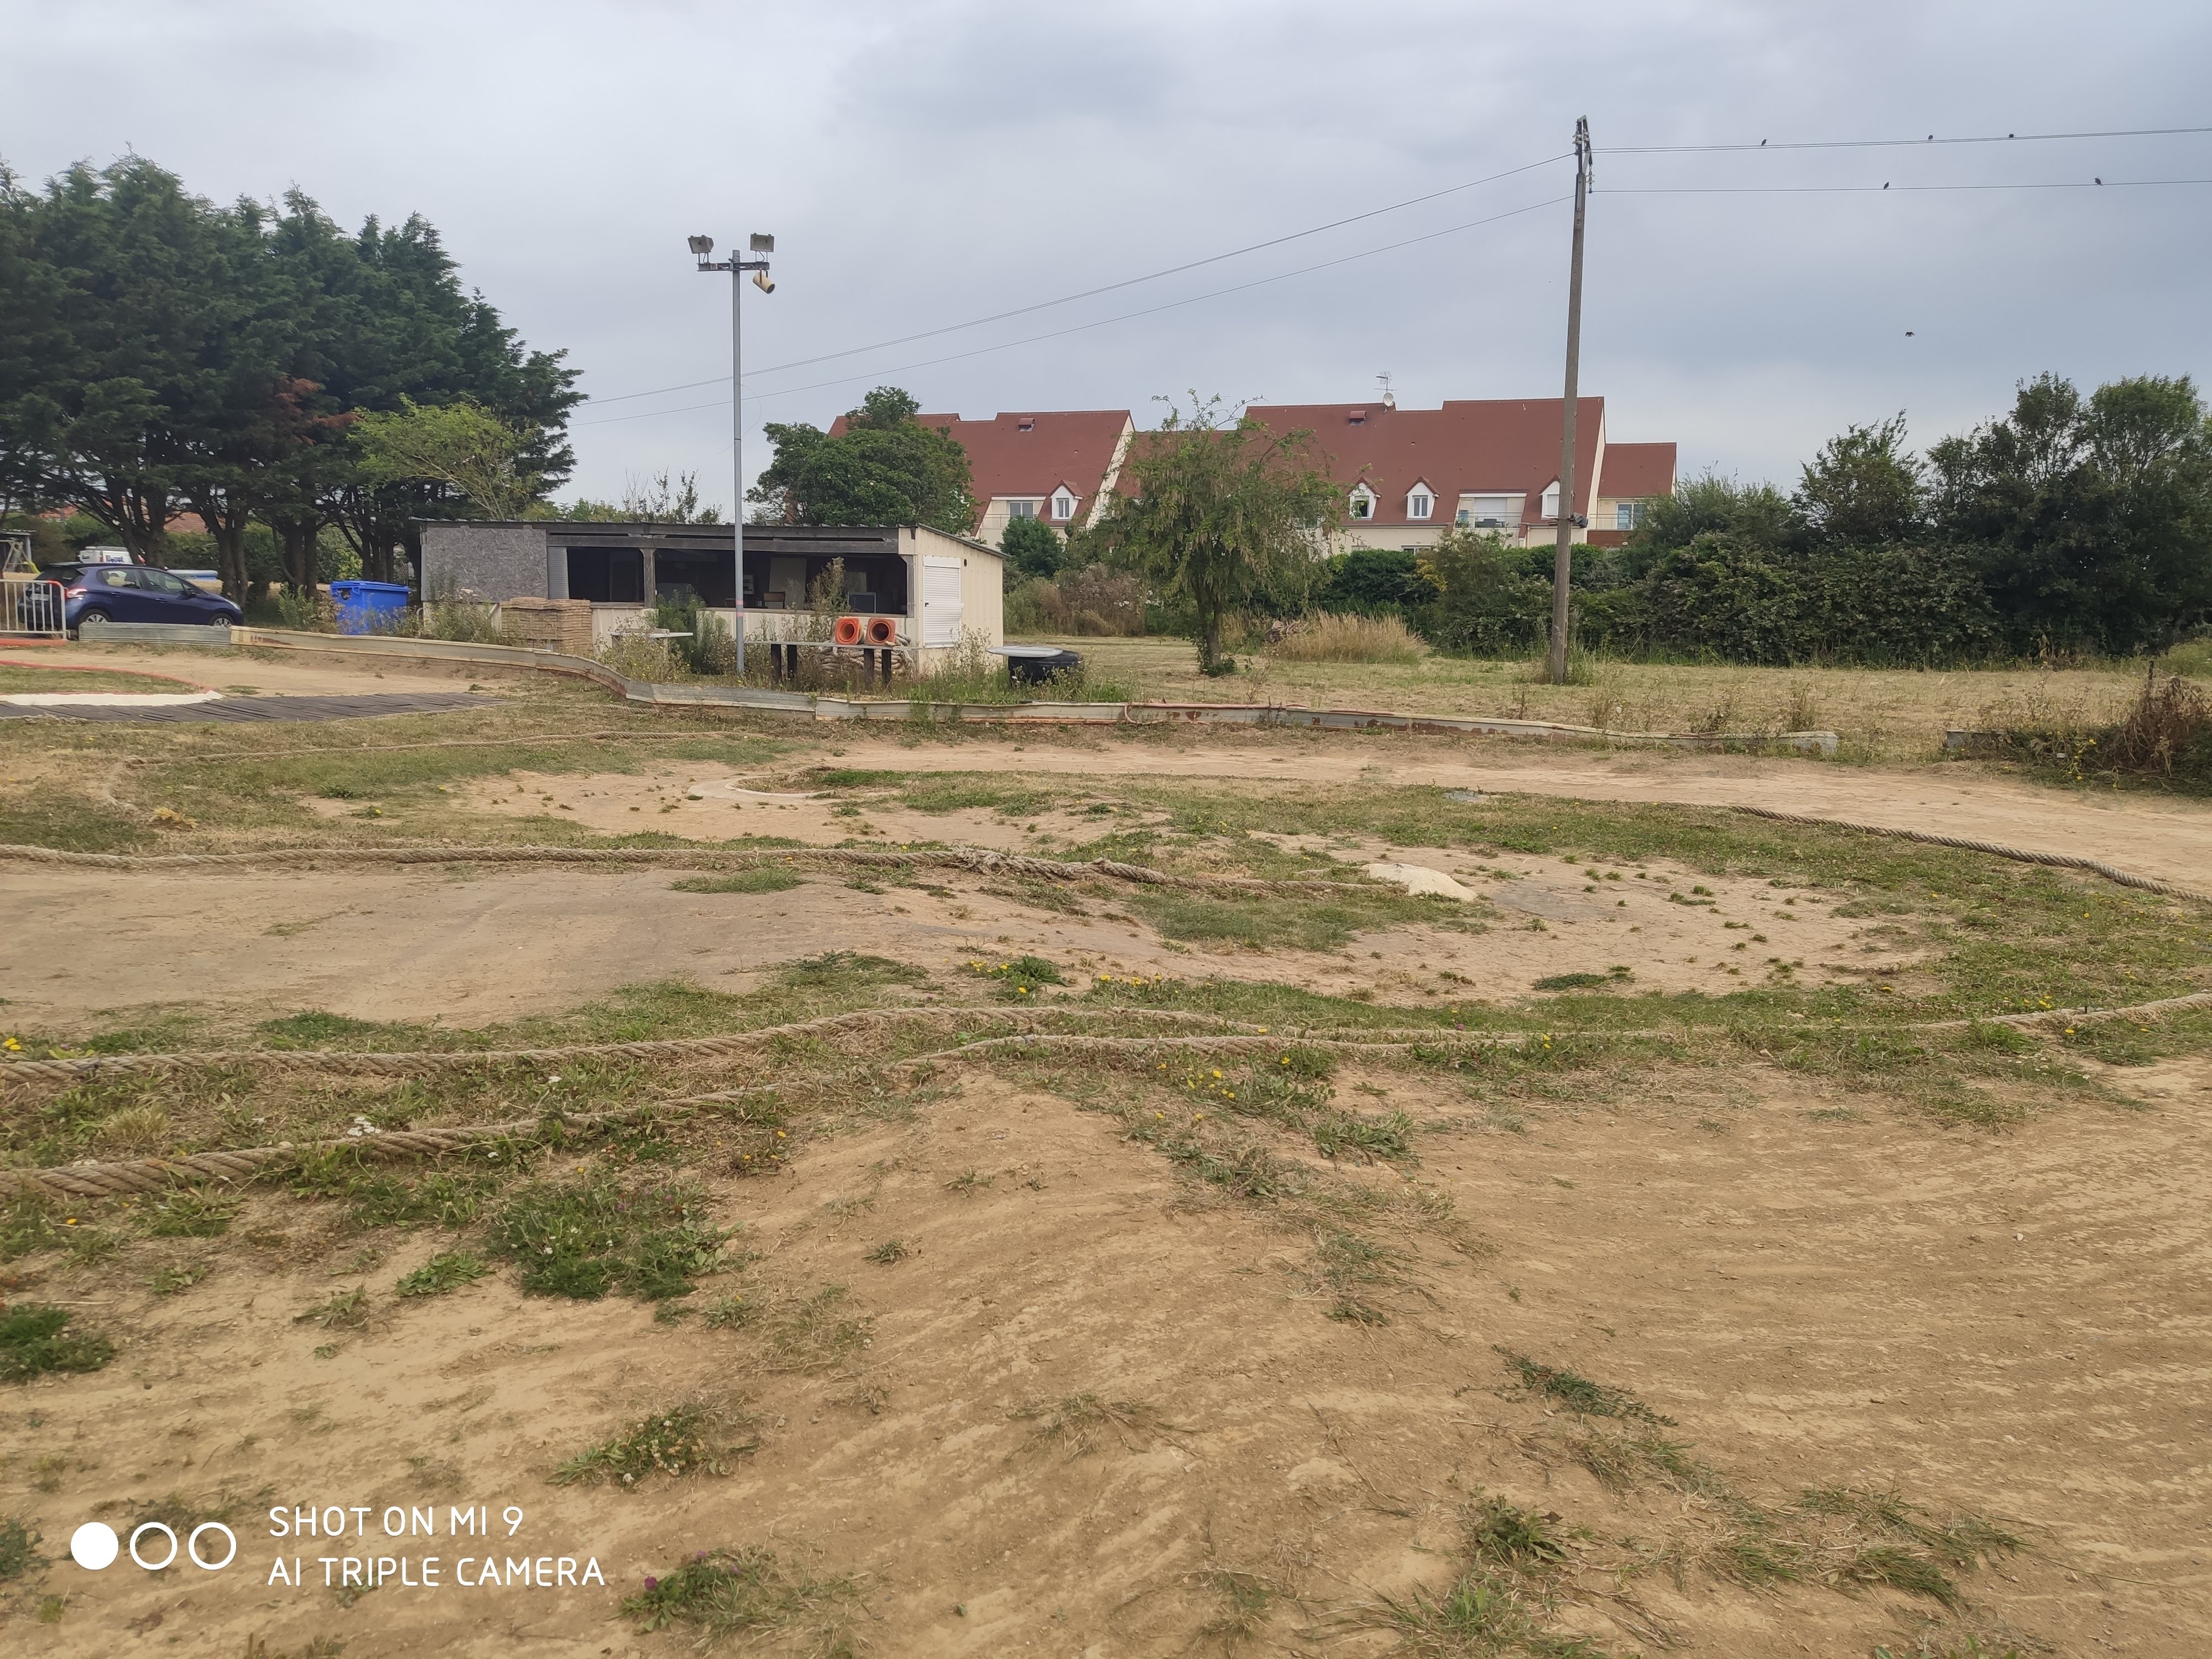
(763, 243)
(702, 245)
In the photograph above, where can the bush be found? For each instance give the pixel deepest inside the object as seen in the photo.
(1346, 639)
(1095, 601)
(1372, 579)
(1033, 549)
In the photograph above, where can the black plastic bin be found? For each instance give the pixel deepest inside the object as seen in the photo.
(1033, 664)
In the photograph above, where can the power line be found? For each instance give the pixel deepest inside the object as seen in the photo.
(1855, 190)
(1102, 322)
(1109, 288)
(1888, 143)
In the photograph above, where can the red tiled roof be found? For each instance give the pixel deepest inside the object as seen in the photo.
(1028, 456)
(1636, 470)
(1491, 446)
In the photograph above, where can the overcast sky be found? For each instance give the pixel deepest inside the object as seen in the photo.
(926, 162)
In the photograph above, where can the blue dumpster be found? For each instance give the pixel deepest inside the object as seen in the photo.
(370, 607)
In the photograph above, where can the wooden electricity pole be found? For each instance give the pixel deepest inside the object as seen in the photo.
(1563, 560)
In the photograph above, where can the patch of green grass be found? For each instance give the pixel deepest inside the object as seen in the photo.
(688, 1440)
(316, 1029)
(891, 1250)
(1017, 979)
(585, 1236)
(1605, 981)
(451, 1198)
(968, 1182)
(1268, 922)
(173, 1276)
(34, 1338)
(191, 1214)
(442, 1273)
(750, 1594)
(848, 970)
(51, 815)
(801, 1332)
(760, 879)
(19, 1548)
(1577, 1392)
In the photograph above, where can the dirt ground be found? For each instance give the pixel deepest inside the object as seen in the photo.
(2009, 1325)
(1815, 1286)
(248, 672)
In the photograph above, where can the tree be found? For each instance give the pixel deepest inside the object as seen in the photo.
(461, 445)
(886, 468)
(1033, 549)
(1223, 514)
(1482, 598)
(1864, 486)
(2092, 517)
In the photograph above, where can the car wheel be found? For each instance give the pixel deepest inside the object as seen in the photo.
(218, 621)
(93, 615)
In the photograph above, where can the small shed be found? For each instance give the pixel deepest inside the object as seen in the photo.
(945, 590)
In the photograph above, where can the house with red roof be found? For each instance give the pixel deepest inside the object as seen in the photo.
(1491, 465)
(1057, 466)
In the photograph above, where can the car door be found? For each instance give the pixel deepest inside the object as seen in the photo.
(108, 587)
(167, 598)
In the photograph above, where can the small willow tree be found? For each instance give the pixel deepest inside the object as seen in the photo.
(1223, 514)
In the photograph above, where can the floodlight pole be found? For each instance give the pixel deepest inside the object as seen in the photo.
(1555, 668)
(703, 246)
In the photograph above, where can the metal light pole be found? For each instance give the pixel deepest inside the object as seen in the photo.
(702, 248)
(1555, 667)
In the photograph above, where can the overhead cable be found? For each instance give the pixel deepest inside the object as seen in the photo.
(1102, 322)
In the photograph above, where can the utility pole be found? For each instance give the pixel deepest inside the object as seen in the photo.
(702, 248)
(1555, 668)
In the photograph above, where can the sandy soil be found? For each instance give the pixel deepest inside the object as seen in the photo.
(264, 673)
(2011, 1325)
(473, 947)
(2166, 836)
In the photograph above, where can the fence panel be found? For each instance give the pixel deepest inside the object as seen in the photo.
(32, 608)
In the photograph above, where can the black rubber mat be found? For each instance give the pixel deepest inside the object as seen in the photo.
(249, 710)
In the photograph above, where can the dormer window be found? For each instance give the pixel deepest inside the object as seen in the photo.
(1552, 500)
(1363, 503)
(1420, 502)
(1063, 506)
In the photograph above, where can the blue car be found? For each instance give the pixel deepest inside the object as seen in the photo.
(135, 593)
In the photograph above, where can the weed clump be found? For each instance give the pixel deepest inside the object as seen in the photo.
(1019, 979)
(19, 1548)
(34, 1338)
(691, 1439)
(750, 1592)
(583, 1238)
(1077, 1422)
(442, 1273)
(1577, 1392)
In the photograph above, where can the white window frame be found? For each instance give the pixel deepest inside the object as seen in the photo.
(1022, 508)
(1361, 508)
(1625, 513)
(1063, 507)
(1420, 503)
(1551, 501)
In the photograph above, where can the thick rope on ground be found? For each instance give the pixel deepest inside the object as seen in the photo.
(153, 1174)
(411, 1063)
(979, 861)
(1996, 849)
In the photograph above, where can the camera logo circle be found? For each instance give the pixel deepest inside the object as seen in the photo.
(94, 1545)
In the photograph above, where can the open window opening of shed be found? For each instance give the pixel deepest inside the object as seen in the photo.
(607, 575)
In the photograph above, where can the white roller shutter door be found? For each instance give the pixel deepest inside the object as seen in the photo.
(940, 600)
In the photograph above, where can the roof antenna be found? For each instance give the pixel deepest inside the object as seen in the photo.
(1390, 398)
